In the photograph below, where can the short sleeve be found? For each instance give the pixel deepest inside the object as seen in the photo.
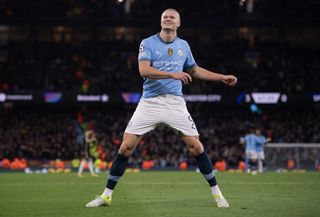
(144, 51)
(190, 62)
(261, 139)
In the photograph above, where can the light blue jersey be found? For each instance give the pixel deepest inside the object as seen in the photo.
(250, 141)
(170, 57)
(261, 140)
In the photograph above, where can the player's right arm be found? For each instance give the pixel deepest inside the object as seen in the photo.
(148, 71)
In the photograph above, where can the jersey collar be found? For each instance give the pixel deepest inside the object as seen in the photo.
(158, 35)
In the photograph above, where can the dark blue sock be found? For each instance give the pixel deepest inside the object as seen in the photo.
(205, 167)
(118, 167)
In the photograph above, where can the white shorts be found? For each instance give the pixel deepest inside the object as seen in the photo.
(165, 109)
(260, 155)
(252, 155)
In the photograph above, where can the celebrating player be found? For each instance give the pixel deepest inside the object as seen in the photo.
(162, 59)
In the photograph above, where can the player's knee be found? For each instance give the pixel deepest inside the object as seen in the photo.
(198, 150)
(195, 150)
(126, 149)
(191, 149)
(194, 145)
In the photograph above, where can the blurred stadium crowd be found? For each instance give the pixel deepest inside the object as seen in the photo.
(33, 62)
(43, 135)
(97, 66)
(146, 8)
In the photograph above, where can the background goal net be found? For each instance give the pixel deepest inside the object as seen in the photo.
(300, 156)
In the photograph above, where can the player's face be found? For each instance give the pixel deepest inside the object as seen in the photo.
(170, 20)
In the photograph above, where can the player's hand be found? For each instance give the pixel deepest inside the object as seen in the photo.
(182, 76)
(229, 80)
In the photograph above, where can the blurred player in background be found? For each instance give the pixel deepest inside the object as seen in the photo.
(250, 142)
(90, 152)
(162, 60)
(260, 143)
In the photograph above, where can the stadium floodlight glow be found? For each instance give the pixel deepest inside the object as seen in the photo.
(316, 97)
(266, 98)
(284, 98)
(104, 98)
(248, 98)
(52, 97)
(2, 97)
(254, 109)
(133, 97)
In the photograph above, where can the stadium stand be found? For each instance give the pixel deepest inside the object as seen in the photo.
(48, 135)
(268, 47)
(96, 66)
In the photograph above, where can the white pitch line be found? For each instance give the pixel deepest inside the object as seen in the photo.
(159, 183)
(227, 183)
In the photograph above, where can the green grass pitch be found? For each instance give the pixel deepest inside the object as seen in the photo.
(162, 194)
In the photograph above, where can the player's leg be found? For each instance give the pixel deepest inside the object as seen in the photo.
(91, 168)
(144, 119)
(205, 166)
(248, 162)
(254, 166)
(118, 168)
(181, 121)
(119, 164)
(260, 156)
(253, 162)
(259, 165)
(81, 166)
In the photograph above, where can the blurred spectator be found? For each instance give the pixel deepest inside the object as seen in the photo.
(101, 66)
(208, 9)
(47, 135)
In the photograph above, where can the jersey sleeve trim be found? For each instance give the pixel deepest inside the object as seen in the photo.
(144, 59)
(191, 66)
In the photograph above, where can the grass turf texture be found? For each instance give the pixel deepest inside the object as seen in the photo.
(165, 194)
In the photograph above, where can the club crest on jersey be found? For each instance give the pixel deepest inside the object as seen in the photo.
(170, 51)
(180, 53)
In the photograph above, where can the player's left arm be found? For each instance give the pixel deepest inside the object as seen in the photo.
(204, 74)
(241, 141)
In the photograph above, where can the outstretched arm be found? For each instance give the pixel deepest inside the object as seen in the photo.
(204, 74)
(148, 71)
